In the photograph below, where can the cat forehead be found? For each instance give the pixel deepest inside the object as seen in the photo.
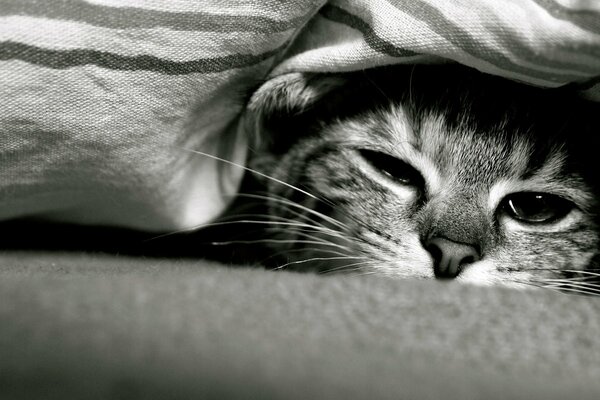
(461, 148)
(462, 154)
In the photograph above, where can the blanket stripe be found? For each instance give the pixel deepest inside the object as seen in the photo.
(130, 17)
(371, 37)
(583, 19)
(61, 59)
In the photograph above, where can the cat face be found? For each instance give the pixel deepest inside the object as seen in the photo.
(437, 172)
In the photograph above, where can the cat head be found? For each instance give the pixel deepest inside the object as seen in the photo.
(429, 171)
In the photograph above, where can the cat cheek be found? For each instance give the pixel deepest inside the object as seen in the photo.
(537, 256)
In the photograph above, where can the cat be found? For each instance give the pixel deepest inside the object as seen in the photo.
(430, 171)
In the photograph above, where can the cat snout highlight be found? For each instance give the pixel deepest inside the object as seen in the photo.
(449, 257)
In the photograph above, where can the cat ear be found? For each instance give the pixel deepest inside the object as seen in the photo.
(285, 103)
(293, 92)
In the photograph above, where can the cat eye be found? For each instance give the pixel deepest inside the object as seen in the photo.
(536, 208)
(394, 168)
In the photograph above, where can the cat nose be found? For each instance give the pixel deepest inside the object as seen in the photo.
(449, 256)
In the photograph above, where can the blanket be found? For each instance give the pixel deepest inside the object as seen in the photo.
(79, 326)
(103, 102)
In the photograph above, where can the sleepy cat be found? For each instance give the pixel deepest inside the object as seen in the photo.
(427, 172)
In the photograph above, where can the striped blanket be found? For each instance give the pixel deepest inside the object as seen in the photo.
(102, 101)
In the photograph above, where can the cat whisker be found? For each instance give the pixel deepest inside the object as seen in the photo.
(368, 262)
(304, 249)
(581, 281)
(589, 272)
(559, 284)
(568, 285)
(253, 171)
(575, 279)
(529, 283)
(317, 239)
(345, 268)
(283, 200)
(287, 241)
(274, 196)
(297, 231)
(277, 218)
(346, 271)
(326, 242)
(267, 217)
(367, 273)
(314, 259)
(344, 227)
(577, 290)
(287, 222)
(376, 86)
(307, 219)
(258, 222)
(306, 234)
(410, 83)
(311, 237)
(311, 233)
(349, 270)
(329, 251)
(327, 232)
(270, 241)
